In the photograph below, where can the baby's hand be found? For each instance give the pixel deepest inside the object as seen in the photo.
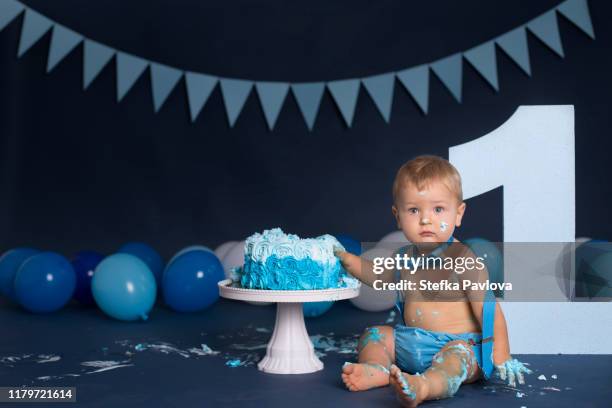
(349, 261)
(513, 370)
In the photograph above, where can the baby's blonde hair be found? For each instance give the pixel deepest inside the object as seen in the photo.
(422, 170)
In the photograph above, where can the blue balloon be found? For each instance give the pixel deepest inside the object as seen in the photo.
(602, 279)
(190, 281)
(351, 245)
(45, 282)
(9, 265)
(314, 309)
(84, 264)
(492, 258)
(124, 287)
(148, 255)
(588, 280)
(188, 249)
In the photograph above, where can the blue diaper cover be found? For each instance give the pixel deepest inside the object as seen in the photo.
(416, 347)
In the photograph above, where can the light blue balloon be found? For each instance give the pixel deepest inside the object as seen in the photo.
(492, 258)
(315, 309)
(124, 287)
(148, 255)
(10, 262)
(187, 249)
(190, 282)
(45, 282)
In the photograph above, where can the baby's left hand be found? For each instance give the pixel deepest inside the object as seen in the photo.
(513, 370)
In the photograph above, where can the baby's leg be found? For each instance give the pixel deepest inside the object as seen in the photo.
(452, 366)
(376, 354)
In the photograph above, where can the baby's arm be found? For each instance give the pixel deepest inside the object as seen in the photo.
(362, 269)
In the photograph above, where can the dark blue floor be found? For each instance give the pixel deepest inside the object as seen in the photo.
(173, 376)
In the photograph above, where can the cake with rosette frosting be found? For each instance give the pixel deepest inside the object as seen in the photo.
(274, 260)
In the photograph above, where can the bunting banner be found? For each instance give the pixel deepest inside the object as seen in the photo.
(272, 95)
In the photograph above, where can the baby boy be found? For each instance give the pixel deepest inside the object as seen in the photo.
(440, 344)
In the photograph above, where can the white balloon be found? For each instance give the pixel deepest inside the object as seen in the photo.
(372, 300)
(233, 259)
(224, 248)
(189, 248)
(393, 240)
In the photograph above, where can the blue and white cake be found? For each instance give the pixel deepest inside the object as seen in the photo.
(278, 261)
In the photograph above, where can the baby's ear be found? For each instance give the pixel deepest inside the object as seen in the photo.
(460, 212)
(396, 215)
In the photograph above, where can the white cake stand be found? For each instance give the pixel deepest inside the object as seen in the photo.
(290, 350)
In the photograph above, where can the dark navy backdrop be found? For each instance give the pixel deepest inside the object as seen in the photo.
(79, 170)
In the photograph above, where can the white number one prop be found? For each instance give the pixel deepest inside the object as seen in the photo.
(532, 156)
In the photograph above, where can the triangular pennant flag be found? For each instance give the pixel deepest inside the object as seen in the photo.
(345, 93)
(129, 69)
(235, 93)
(9, 10)
(34, 26)
(514, 44)
(577, 11)
(416, 82)
(95, 57)
(199, 88)
(63, 41)
(308, 96)
(380, 88)
(483, 58)
(163, 81)
(449, 70)
(546, 29)
(271, 95)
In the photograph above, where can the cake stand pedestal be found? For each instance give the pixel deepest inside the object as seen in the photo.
(290, 350)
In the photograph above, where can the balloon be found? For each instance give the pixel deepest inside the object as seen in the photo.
(84, 264)
(190, 282)
(588, 281)
(224, 248)
(393, 240)
(351, 245)
(602, 274)
(492, 258)
(187, 249)
(124, 287)
(314, 309)
(233, 258)
(147, 254)
(45, 282)
(370, 299)
(9, 265)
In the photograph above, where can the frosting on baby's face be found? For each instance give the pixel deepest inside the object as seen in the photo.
(428, 214)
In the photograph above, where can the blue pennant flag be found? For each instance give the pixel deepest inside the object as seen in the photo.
(546, 29)
(271, 96)
(63, 41)
(308, 97)
(9, 10)
(34, 26)
(95, 57)
(484, 60)
(450, 71)
(129, 69)
(345, 93)
(380, 88)
(199, 88)
(235, 93)
(416, 82)
(163, 81)
(577, 11)
(514, 44)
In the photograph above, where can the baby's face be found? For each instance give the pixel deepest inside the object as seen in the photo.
(428, 215)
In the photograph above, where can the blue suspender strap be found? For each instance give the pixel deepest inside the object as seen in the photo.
(488, 322)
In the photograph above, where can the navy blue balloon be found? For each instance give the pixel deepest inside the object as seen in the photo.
(146, 254)
(350, 244)
(190, 281)
(10, 262)
(45, 282)
(84, 264)
(315, 309)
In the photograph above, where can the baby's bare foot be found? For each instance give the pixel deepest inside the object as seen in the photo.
(361, 377)
(411, 390)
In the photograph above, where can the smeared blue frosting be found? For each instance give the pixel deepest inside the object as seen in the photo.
(277, 261)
